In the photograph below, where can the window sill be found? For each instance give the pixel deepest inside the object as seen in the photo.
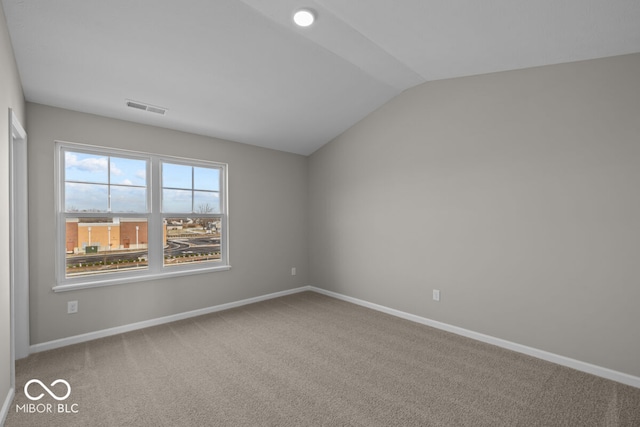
(133, 279)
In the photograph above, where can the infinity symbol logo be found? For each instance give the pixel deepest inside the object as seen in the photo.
(52, 394)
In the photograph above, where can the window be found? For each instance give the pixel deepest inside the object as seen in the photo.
(126, 216)
(191, 213)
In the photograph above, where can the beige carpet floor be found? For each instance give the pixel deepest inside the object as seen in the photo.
(310, 360)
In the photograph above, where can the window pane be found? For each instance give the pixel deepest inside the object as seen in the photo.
(85, 197)
(105, 245)
(128, 171)
(206, 179)
(176, 176)
(192, 241)
(206, 202)
(85, 167)
(177, 201)
(128, 199)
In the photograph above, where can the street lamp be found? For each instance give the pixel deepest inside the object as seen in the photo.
(89, 229)
(109, 237)
(137, 228)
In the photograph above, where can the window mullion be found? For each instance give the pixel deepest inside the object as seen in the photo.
(108, 183)
(155, 218)
(193, 193)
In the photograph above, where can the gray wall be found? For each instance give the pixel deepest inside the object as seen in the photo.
(267, 217)
(10, 97)
(516, 194)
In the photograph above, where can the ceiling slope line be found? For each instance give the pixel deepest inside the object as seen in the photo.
(333, 34)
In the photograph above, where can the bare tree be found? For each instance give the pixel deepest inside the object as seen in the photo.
(204, 208)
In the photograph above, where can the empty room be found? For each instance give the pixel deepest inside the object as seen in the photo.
(319, 213)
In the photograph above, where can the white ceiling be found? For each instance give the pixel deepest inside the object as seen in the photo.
(241, 70)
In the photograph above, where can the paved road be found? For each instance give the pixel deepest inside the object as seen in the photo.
(176, 247)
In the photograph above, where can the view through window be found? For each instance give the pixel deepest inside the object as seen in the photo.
(191, 195)
(114, 220)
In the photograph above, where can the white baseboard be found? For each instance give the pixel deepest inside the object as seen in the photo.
(540, 354)
(530, 351)
(50, 345)
(6, 406)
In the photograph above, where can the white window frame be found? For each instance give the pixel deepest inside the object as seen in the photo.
(155, 216)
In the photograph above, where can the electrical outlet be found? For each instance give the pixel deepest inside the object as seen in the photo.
(293, 271)
(72, 307)
(436, 295)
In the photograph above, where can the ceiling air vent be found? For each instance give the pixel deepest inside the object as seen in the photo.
(146, 107)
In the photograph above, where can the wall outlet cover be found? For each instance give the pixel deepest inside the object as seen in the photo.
(72, 307)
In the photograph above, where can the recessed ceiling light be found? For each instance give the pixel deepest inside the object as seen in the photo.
(304, 17)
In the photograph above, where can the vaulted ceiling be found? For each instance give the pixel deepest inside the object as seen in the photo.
(242, 70)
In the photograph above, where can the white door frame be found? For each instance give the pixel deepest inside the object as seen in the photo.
(19, 241)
